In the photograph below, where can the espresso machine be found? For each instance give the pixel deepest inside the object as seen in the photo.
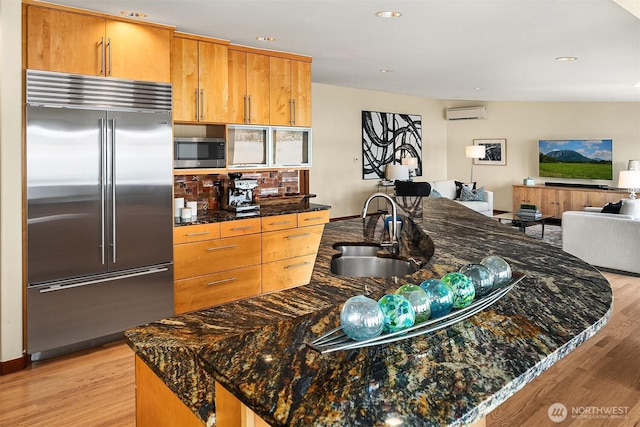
(240, 194)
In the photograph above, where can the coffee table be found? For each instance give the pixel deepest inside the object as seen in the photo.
(523, 224)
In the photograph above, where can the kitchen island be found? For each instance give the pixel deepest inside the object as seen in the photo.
(257, 350)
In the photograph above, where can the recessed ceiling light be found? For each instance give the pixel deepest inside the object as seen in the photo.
(566, 58)
(478, 88)
(386, 71)
(265, 39)
(133, 14)
(637, 84)
(388, 14)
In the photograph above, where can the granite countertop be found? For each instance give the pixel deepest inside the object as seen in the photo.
(265, 210)
(256, 348)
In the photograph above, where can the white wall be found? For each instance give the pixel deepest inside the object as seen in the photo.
(336, 175)
(10, 181)
(522, 124)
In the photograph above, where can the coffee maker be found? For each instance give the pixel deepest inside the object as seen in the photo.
(240, 194)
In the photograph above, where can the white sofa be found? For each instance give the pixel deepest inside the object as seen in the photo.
(604, 240)
(447, 188)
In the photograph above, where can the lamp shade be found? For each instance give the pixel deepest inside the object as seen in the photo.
(474, 151)
(634, 165)
(629, 179)
(393, 172)
(410, 162)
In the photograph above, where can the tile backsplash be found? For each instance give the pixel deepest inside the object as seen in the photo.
(209, 189)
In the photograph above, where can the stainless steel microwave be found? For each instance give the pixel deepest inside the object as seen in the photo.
(199, 152)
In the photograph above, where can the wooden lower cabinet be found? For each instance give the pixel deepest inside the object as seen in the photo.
(213, 289)
(158, 406)
(556, 200)
(287, 273)
(210, 256)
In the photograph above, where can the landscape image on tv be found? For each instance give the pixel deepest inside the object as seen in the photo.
(576, 158)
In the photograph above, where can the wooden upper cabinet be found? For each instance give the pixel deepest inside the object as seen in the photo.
(78, 43)
(290, 86)
(138, 52)
(248, 88)
(64, 41)
(200, 80)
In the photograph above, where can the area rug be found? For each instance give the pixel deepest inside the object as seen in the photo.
(552, 234)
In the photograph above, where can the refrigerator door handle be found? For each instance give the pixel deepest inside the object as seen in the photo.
(113, 190)
(59, 287)
(103, 179)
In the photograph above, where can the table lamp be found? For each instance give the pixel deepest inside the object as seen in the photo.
(396, 172)
(412, 164)
(474, 152)
(630, 180)
(634, 165)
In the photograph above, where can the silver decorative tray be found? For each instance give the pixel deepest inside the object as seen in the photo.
(336, 339)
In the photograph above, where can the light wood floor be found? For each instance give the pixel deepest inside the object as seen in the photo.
(97, 387)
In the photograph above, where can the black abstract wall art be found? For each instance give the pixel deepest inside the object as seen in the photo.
(386, 139)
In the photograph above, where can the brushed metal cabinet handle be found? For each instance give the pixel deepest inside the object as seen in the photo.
(279, 222)
(300, 264)
(221, 247)
(201, 233)
(246, 227)
(295, 236)
(109, 47)
(197, 105)
(201, 104)
(101, 44)
(315, 218)
(217, 282)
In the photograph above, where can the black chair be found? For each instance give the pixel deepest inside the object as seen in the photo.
(412, 189)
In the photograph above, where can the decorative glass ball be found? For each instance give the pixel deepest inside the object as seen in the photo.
(462, 288)
(361, 318)
(481, 277)
(500, 268)
(418, 299)
(398, 312)
(441, 297)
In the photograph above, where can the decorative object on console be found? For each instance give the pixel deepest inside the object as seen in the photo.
(386, 139)
(412, 164)
(634, 165)
(474, 152)
(495, 152)
(529, 181)
(630, 180)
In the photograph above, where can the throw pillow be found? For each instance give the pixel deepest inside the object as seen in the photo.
(459, 185)
(631, 207)
(468, 195)
(612, 208)
(435, 193)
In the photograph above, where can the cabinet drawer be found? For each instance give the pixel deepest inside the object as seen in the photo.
(213, 289)
(279, 222)
(196, 233)
(313, 218)
(213, 256)
(287, 273)
(239, 227)
(278, 245)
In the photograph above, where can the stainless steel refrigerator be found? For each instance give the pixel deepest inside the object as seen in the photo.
(99, 209)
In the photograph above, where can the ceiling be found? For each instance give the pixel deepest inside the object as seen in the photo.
(484, 50)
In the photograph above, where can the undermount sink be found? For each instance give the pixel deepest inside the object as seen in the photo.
(362, 261)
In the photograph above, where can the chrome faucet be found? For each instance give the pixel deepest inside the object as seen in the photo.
(393, 236)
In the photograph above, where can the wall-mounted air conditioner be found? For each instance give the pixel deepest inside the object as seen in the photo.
(467, 113)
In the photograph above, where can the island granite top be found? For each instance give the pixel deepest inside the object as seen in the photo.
(257, 348)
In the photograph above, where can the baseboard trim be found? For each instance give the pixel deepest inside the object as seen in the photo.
(14, 365)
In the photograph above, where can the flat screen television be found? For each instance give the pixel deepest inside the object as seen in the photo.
(576, 158)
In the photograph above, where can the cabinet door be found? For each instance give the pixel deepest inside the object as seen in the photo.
(258, 89)
(214, 82)
(287, 273)
(280, 88)
(548, 201)
(279, 245)
(184, 77)
(64, 41)
(213, 289)
(301, 93)
(237, 86)
(138, 52)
